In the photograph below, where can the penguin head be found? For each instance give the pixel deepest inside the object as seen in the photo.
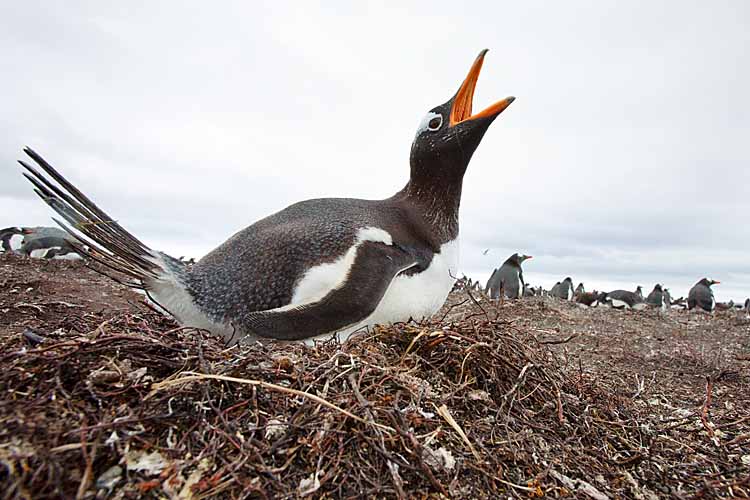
(657, 287)
(708, 282)
(517, 258)
(569, 280)
(11, 230)
(449, 134)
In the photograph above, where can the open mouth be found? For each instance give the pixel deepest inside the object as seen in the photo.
(461, 110)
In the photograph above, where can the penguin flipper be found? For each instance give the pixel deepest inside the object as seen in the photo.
(374, 267)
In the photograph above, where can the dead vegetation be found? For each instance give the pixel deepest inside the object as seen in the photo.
(528, 399)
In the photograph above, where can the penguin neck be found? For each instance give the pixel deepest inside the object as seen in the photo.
(437, 202)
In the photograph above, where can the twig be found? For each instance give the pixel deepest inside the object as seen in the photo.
(194, 376)
(443, 412)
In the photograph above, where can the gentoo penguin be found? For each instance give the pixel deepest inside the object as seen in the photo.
(50, 246)
(564, 289)
(639, 292)
(554, 290)
(590, 299)
(747, 306)
(528, 290)
(6, 235)
(510, 276)
(702, 296)
(656, 297)
(579, 290)
(667, 297)
(623, 299)
(319, 267)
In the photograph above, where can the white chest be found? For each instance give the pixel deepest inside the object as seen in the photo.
(420, 295)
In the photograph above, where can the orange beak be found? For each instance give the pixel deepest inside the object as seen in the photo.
(27, 231)
(461, 110)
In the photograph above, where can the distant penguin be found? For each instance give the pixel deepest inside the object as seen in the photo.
(667, 297)
(6, 235)
(747, 306)
(555, 289)
(702, 296)
(590, 299)
(656, 297)
(565, 289)
(639, 292)
(45, 244)
(579, 290)
(623, 299)
(509, 278)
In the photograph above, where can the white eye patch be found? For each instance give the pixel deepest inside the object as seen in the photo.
(431, 121)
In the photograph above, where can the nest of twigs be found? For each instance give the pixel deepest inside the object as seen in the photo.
(132, 406)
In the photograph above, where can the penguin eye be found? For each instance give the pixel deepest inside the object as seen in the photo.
(435, 123)
(432, 122)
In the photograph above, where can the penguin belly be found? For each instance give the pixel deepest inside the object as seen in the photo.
(414, 297)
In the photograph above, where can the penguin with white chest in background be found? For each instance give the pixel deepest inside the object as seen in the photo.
(320, 267)
(509, 278)
(564, 289)
(702, 296)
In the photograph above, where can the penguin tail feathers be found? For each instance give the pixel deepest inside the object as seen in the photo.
(95, 234)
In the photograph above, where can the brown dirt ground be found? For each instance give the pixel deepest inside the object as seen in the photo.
(555, 400)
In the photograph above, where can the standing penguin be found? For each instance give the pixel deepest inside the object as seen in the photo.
(747, 306)
(564, 289)
(320, 267)
(509, 276)
(656, 297)
(580, 290)
(702, 296)
(639, 292)
(667, 297)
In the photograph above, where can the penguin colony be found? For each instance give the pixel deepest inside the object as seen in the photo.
(322, 267)
(509, 275)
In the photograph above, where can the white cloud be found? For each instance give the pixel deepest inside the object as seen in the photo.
(624, 158)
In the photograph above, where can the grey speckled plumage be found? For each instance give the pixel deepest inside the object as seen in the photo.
(508, 278)
(248, 286)
(702, 296)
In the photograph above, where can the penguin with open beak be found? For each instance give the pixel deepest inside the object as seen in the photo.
(320, 267)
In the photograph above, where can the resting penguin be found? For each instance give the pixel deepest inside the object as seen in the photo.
(702, 296)
(555, 289)
(6, 235)
(319, 267)
(564, 289)
(623, 299)
(510, 276)
(656, 297)
(51, 246)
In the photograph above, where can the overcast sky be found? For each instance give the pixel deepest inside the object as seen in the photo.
(625, 159)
